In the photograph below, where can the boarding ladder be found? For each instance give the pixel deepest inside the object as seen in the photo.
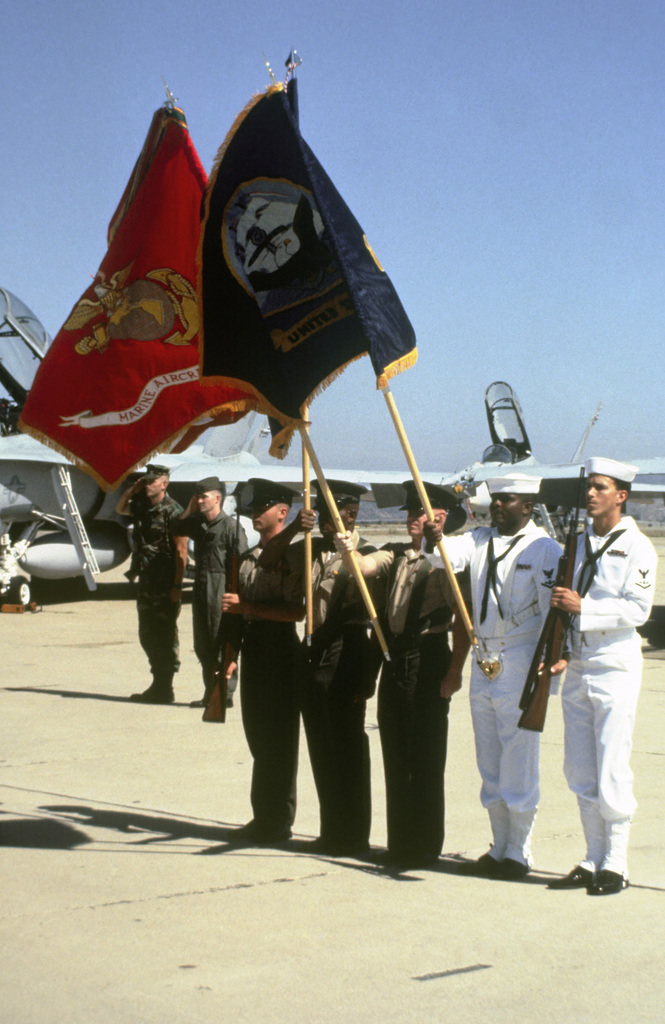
(77, 532)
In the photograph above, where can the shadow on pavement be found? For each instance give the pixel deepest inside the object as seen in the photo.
(83, 695)
(149, 828)
(40, 833)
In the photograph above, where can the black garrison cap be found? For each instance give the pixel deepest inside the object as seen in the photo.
(209, 483)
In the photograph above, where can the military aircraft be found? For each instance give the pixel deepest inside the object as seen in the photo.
(511, 448)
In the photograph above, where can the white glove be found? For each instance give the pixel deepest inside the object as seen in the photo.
(343, 543)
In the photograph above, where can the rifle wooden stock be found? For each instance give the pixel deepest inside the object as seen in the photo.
(215, 709)
(536, 692)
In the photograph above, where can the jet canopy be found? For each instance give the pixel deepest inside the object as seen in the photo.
(23, 342)
(506, 423)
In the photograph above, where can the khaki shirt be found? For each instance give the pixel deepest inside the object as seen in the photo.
(326, 566)
(282, 584)
(438, 592)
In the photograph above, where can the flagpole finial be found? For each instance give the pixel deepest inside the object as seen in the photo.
(170, 102)
(292, 63)
(270, 71)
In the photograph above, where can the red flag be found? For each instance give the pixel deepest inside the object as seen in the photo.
(121, 381)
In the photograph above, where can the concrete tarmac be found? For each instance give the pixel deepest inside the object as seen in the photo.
(123, 901)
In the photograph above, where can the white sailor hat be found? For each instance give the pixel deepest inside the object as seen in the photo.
(518, 483)
(610, 467)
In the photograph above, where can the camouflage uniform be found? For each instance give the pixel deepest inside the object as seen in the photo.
(153, 563)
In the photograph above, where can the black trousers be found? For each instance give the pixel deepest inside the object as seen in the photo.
(333, 708)
(269, 674)
(413, 726)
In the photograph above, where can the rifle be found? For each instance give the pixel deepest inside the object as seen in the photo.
(533, 702)
(215, 709)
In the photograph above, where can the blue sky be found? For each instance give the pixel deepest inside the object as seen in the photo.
(505, 158)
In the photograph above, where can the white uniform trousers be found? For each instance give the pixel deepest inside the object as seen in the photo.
(507, 756)
(599, 696)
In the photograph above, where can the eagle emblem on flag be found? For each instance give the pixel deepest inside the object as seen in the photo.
(159, 307)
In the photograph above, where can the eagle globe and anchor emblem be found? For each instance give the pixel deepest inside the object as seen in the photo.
(159, 307)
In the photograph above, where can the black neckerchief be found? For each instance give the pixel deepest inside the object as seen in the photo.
(491, 580)
(590, 562)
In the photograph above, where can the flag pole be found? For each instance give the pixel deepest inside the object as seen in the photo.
(422, 494)
(339, 526)
(307, 504)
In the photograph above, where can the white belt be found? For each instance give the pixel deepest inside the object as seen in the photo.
(503, 643)
(595, 637)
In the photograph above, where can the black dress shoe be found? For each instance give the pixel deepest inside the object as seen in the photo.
(244, 835)
(253, 834)
(606, 883)
(260, 835)
(153, 695)
(485, 867)
(578, 878)
(510, 870)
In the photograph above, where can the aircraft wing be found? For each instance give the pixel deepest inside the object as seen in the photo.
(510, 452)
(559, 482)
(384, 486)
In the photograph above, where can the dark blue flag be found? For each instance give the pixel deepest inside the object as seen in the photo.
(289, 288)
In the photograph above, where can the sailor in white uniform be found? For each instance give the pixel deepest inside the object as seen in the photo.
(513, 569)
(613, 588)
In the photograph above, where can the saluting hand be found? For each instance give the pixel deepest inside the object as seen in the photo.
(192, 507)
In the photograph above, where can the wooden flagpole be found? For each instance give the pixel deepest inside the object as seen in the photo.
(422, 494)
(339, 526)
(307, 504)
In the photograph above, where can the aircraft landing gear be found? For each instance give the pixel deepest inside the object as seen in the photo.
(18, 591)
(14, 587)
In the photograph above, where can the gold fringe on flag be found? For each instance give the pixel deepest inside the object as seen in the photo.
(390, 371)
